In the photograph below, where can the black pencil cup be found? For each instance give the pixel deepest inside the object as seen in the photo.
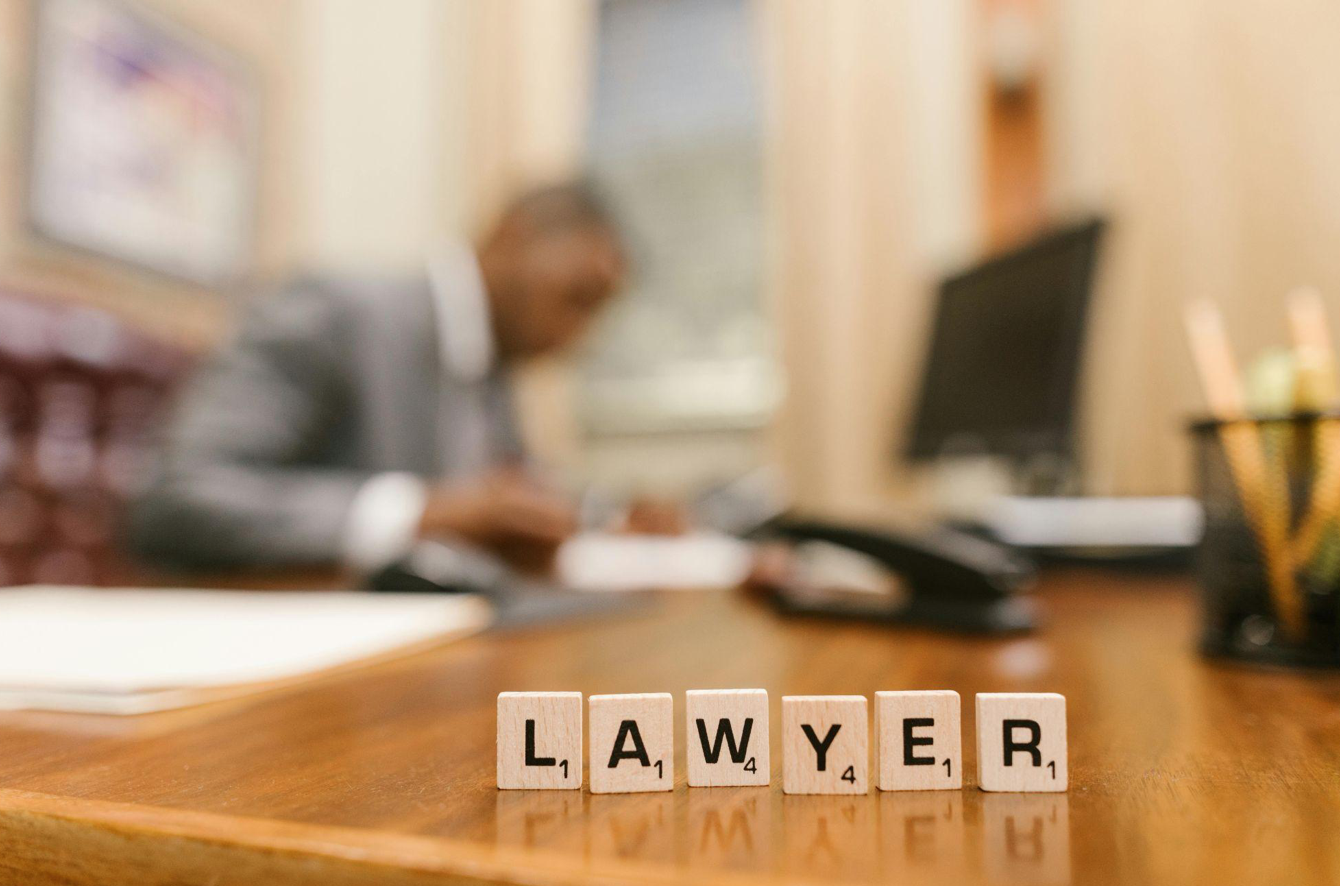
(1269, 563)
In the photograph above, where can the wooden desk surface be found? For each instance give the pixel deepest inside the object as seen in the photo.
(1181, 770)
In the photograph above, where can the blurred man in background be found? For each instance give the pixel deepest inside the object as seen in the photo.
(352, 417)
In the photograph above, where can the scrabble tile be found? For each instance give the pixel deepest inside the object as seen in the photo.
(918, 739)
(825, 744)
(727, 737)
(1021, 741)
(632, 743)
(540, 740)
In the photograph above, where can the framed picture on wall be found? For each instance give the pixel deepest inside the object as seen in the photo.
(144, 140)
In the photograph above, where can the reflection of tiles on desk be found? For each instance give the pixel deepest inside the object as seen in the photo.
(922, 836)
(1026, 838)
(542, 819)
(892, 836)
(634, 826)
(729, 829)
(830, 836)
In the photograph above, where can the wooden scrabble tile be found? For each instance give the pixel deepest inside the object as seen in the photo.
(825, 744)
(1021, 741)
(918, 739)
(632, 743)
(540, 740)
(727, 737)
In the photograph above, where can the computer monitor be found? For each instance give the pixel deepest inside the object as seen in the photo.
(1001, 373)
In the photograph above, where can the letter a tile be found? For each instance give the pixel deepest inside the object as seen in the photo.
(1021, 741)
(727, 736)
(632, 743)
(825, 744)
(540, 740)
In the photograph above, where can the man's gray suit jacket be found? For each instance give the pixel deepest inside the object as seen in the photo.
(326, 385)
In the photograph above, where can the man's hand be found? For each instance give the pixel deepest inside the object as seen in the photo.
(653, 516)
(505, 512)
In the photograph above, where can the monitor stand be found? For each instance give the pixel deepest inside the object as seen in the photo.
(1036, 506)
(963, 489)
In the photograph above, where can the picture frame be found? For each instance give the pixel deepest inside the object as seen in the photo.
(143, 142)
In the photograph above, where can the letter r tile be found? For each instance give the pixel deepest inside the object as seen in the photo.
(1021, 741)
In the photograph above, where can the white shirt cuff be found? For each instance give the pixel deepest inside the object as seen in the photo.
(383, 519)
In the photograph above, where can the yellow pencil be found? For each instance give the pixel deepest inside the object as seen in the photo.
(1316, 392)
(1265, 503)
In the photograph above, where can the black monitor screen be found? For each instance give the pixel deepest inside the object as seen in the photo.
(1001, 373)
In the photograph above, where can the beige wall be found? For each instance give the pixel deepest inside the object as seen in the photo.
(1210, 128)
(263, 33)
(1210, 137)
(872, 166)
(385, 129)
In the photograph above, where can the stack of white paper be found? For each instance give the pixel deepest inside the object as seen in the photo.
(132, 651)
(598, 561)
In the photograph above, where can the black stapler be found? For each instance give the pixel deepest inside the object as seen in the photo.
(951, 580)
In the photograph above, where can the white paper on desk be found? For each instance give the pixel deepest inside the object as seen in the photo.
(597, 561)
(133, 650)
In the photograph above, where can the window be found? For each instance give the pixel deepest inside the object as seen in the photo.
(675, 141)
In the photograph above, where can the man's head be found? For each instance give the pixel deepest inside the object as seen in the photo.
(550, 264)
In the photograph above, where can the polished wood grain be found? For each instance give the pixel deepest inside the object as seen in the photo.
(1181, 770)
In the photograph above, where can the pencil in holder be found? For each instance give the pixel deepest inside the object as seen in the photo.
(1269, 562)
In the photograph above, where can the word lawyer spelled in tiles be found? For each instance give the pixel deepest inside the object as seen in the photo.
(1021, 741)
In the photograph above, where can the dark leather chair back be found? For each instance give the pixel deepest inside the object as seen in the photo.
(80, 393)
